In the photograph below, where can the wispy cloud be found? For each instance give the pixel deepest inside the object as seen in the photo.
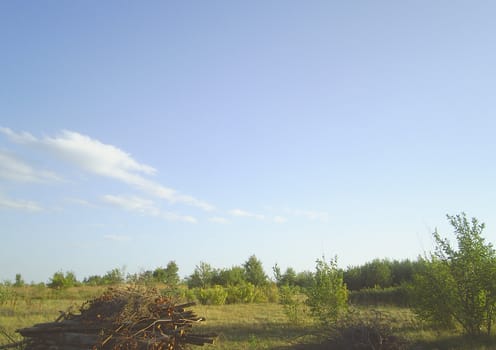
(309, 214)
(81, 202)
(14, 169)
(106, 160)
(144, 207)
(117, 238)
(132, 203)
(246, 214)
(19, 204)
(279, 219)
(218, 220)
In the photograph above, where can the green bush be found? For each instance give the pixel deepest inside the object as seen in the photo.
(7, 294)
(215, 295)
(394, 296)
(243, 293)
(328, 295)
(290, 299)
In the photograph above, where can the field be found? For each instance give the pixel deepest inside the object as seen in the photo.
(240, 326)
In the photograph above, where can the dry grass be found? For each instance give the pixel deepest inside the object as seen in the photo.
(242, 326)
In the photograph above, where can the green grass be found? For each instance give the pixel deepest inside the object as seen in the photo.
(240, 326)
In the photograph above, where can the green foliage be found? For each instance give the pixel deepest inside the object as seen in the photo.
(168, 275)
(19, 282)
(94, 280)
(379, 273)
(458, 286)
(242, 293)
(216, 295)
(288, 278)
(202, 276)
(254, 272)
(59, 280)
(393, 296)
(328, 295)
(229, 277)
(304, 279)
(7, 294)
(114, 276)
(290, 299)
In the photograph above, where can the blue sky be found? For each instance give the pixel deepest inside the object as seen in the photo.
(135, 133)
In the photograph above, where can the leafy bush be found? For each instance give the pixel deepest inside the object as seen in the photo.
(394, 296)
(243, 293)
(459, 285)
(7, 294)
(215, 295)
(328, 296)
(290, 299)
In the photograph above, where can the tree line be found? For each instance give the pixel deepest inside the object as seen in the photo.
(379, 273)
(453, 286)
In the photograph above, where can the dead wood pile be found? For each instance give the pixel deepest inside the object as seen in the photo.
(127, 319)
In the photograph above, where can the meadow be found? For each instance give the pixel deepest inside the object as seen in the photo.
(241, 326)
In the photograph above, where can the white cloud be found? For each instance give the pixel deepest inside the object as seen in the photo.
(279, 219)
(106, 160)
(19, 204)
(145, 207)
(246, 214)
(23, 137)
(218, 220)
(117, 238)
(309, 214)
(141, 205)
(14, 169)
(81, 202)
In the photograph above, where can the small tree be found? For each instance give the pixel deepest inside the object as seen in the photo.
(60, 280)
(202, 276)
(458, 286)
(254, 272)
(328, 295)
(168, 275)
(19, 282)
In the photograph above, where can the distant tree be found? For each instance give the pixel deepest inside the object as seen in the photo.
(403, 271)
(59, 280)
(288, 278)
(202, 276)
(377, 274)
(304, 279)
(171, 274)
(353, 277)
(93, 280)
(19, 282)
(233, 276)
(114, 276)
(254, 272)
(458, 285)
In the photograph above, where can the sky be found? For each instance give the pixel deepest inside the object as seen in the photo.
(137, 133)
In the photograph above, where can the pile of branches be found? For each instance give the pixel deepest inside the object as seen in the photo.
(131, 318)
(360, 332)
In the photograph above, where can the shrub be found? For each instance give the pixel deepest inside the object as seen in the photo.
(242, 293)
(215, 295)
(328, 296)
(458, 285)
(289, 298)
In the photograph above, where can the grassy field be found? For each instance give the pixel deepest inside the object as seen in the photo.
(241, 326)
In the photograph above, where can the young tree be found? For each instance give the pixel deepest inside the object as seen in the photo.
(328, 295)
(254, 272)
(202, 276)
(19, 282)
(459, 285)
(168, 275)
